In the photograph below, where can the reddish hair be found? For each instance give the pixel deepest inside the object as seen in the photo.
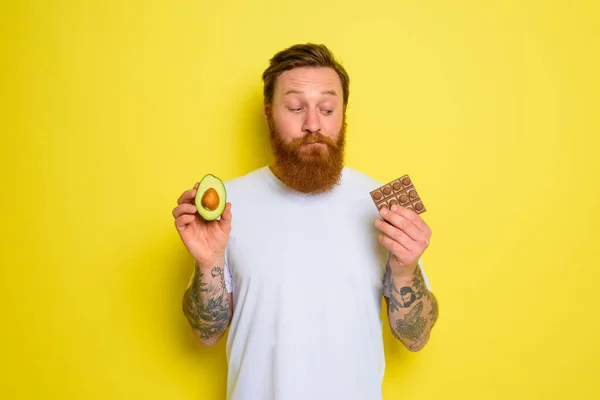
(298, 56)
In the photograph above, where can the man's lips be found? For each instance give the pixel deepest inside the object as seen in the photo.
(315, 142)
(314, 145)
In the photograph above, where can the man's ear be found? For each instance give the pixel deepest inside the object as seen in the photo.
(266, 111)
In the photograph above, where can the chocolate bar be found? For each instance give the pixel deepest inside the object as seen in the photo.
(400, 191)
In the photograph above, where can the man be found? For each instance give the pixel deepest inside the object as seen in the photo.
(299, 260)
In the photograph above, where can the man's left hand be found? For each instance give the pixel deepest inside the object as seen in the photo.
(405, 235)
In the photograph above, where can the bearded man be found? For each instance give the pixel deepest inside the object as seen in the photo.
(299, 261)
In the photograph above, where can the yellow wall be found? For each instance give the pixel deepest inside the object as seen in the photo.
(110, 109)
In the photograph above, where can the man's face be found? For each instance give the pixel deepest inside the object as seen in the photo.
(307, 128)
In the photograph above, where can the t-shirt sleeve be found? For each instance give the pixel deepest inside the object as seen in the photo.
(228, 275)
(387, 279)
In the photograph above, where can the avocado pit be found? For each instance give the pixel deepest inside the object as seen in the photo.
(210, 199)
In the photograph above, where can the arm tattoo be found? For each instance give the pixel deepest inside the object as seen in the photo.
(206, 304)
(413, 327)
(408, 294)
(434, 310)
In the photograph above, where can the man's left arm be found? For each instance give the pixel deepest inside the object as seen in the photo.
(412, 308)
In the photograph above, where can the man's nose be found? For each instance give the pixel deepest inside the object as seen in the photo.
(312, 123)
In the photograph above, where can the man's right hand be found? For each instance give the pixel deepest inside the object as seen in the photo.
(205, 240)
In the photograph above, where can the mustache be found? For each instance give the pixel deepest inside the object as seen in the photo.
(315, 138)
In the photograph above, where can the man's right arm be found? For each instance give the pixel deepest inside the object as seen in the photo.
(207, 305)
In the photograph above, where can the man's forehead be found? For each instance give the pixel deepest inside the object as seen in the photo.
(297, 80)
(297, 91)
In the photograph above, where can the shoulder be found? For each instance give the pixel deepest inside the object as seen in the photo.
(250, 189)
(245, 181)
(356, 189)
(358, 180)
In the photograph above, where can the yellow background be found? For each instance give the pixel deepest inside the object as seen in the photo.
(110, 109)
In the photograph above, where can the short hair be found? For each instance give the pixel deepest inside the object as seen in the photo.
(298, 56)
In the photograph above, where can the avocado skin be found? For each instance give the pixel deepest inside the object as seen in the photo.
(207, 182)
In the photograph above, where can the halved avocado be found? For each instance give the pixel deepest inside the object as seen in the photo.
(211, 197)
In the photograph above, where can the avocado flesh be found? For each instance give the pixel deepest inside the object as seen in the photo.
(211, 197)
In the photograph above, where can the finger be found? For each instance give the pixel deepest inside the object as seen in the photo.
(397, 235)
(402, 223)
(412, 217)
(184, 220)
(184, 208)
(225, 221)
(188, 195)
(394, 247)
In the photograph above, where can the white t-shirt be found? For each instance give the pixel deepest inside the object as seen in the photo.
(307, 275)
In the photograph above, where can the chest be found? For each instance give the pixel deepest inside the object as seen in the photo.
(309, 246)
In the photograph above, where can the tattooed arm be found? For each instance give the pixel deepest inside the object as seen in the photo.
(207, 305)
(412, 310)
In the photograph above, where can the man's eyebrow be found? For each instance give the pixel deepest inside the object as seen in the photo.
(294, 91)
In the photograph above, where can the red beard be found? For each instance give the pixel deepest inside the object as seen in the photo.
(308, 168)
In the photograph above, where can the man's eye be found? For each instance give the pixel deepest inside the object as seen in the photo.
(295, 109)
(327, 112)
